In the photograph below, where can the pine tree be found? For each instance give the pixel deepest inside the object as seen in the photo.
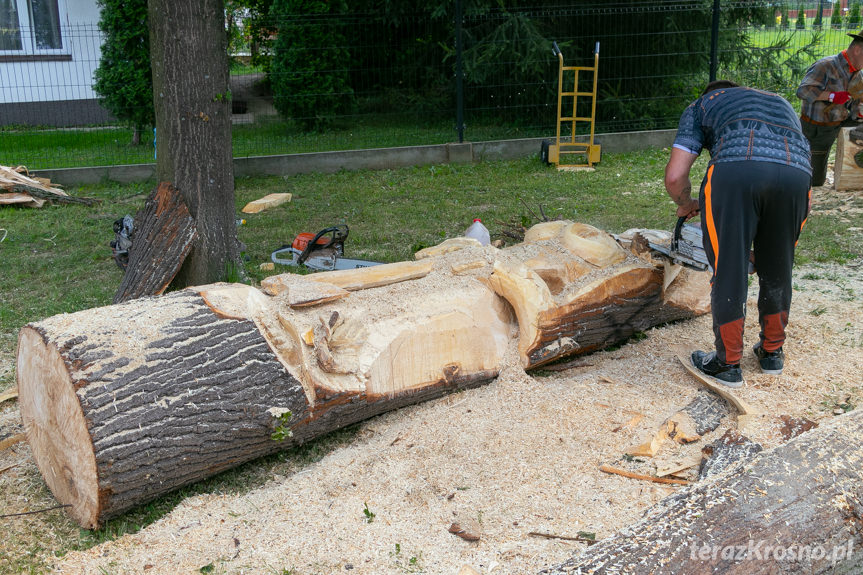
(801, 18)
(836, 17)
(854, 16)
(783, 20)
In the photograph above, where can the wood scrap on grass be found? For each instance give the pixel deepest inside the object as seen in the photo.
(19, 188)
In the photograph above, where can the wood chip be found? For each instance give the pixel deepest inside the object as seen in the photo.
(7, 395)
(467, 530)
(682, 466)
(10, 441)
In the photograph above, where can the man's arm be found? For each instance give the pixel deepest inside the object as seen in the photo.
(813, 87)
(677, 182)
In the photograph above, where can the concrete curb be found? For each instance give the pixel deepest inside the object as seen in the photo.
(370, 159)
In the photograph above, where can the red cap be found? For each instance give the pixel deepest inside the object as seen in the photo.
(477, 220)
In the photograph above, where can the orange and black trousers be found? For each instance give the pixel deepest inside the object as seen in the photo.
(759, 206)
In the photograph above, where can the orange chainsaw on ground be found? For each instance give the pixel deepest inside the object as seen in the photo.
(323, 251)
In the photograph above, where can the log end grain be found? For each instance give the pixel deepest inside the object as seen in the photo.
(56, 428)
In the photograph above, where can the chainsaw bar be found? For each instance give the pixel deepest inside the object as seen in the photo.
(686, 246)
(322, 260)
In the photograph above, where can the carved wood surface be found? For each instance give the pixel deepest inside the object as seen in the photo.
(126, 402)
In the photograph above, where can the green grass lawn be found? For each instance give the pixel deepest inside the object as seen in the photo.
(101, 146)
(57, 259)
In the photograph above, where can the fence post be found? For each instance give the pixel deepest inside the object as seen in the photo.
(714, 41)
(459, 79)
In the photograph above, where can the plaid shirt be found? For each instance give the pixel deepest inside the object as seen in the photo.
(830, 74)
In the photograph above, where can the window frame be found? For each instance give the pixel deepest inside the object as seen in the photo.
(28, 44)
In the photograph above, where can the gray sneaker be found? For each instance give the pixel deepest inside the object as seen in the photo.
(723, 373)
(771, 362)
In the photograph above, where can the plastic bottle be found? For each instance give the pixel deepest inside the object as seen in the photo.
(478, 231)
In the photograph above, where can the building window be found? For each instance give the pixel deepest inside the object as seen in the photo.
(30, 26)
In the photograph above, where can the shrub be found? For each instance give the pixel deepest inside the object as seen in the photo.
(783, 18)
(801, 18)
(836, 17)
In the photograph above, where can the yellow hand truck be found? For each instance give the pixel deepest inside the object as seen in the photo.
(565, 153)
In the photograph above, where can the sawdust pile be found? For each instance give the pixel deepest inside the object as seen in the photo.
(516, 457)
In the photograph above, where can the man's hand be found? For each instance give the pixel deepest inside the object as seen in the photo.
(688, 210)
(839, 97)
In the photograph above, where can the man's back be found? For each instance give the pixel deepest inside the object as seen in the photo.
(737, 124)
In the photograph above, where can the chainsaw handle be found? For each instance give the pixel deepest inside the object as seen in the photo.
(338, 235)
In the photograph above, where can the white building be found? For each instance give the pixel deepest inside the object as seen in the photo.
(49, 50)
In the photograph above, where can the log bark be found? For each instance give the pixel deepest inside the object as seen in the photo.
(796, 508)
(165, 231)
(126, 402)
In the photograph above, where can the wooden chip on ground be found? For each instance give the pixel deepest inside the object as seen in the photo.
(466, 530)
(8, 467)
(7, 395)
(682, 466)
(265, 203)
(10, 441)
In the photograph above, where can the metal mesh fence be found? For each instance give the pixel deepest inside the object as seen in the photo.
(358, 79)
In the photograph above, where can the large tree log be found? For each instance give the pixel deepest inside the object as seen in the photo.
(796, 508)
(126, 402)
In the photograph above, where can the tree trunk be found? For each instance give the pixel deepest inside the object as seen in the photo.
(797, 508)
(188, 48)
(125, 402)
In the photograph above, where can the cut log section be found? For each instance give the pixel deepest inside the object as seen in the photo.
(848, 167)
(123, 403)
(796, 508)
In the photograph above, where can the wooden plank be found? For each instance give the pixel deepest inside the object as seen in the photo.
(19, 198)
(742, 407)
(267, 202)
(375, 276)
